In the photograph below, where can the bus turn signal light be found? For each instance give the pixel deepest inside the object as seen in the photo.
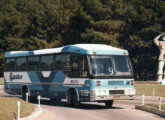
(132, 82)
(97, 83)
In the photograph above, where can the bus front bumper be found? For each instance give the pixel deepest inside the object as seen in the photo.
(109, 94)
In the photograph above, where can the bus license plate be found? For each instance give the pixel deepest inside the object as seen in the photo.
(116, 97)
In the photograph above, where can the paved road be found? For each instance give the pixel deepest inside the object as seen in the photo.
(122, 110)
(90, 111)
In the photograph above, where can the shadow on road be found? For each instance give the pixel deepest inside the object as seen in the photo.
(85, 106)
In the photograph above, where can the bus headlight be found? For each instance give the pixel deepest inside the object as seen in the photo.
(132, 82)
(104, 91)
(99, 92)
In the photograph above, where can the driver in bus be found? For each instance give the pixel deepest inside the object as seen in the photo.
(160, 42)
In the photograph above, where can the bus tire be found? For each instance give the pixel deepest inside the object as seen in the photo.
(24, 91)
(69, 98)
(72, 98)
(108, 104)
(30, 98)
(75, 101)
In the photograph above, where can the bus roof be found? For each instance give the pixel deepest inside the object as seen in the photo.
(96, 49)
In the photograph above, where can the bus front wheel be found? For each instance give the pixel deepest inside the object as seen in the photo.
(72, 99)
(109, 103)
(75, 101)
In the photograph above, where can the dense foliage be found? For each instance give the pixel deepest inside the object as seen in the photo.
(128, 24)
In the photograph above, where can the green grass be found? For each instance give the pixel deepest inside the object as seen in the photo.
(147, 89)
(156, 106)
(8, 108)
(1, 81)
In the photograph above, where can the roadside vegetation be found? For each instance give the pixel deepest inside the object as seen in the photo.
(156, 106)
(1, 81)
(147, 89)
(8, 108)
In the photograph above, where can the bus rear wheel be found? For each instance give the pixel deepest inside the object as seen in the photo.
(24, 91)
(109, 103)
(30, 98)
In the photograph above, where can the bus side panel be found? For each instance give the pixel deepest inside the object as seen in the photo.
(14, 89)
(51, 84)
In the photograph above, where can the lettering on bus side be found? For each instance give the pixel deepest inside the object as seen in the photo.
(17, 76)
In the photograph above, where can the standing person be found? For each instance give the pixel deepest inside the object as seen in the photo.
(160, 42)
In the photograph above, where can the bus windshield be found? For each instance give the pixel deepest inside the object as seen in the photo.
(111, 66)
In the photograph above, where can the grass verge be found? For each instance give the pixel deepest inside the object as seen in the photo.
(8, 108)
(148, 89)
(156, 106)
(1, 81)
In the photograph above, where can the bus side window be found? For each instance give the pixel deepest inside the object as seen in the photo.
(79, 67)
(83, 69)
(21, 64)
(46, 62)
(62, 62)
(74, 67)
(33, 63)
(10, 64)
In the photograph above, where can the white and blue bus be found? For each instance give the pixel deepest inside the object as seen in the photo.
(78, 73)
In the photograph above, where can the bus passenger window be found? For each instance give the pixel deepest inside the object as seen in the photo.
(83, 70)
(62, 62)
(79, 66)
(10, 64)
(21, 64)
(75, 72)
(33, 63)
(47, 62)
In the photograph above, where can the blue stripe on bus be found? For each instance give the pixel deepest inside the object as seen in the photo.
(34, 78)
(59, 77)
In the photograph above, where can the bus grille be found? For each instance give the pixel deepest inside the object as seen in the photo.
(116, 92)
(115, 82)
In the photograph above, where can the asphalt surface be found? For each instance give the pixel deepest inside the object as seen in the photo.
(122, 110)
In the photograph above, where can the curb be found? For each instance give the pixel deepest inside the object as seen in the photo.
(35, 114)
(151, 110)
